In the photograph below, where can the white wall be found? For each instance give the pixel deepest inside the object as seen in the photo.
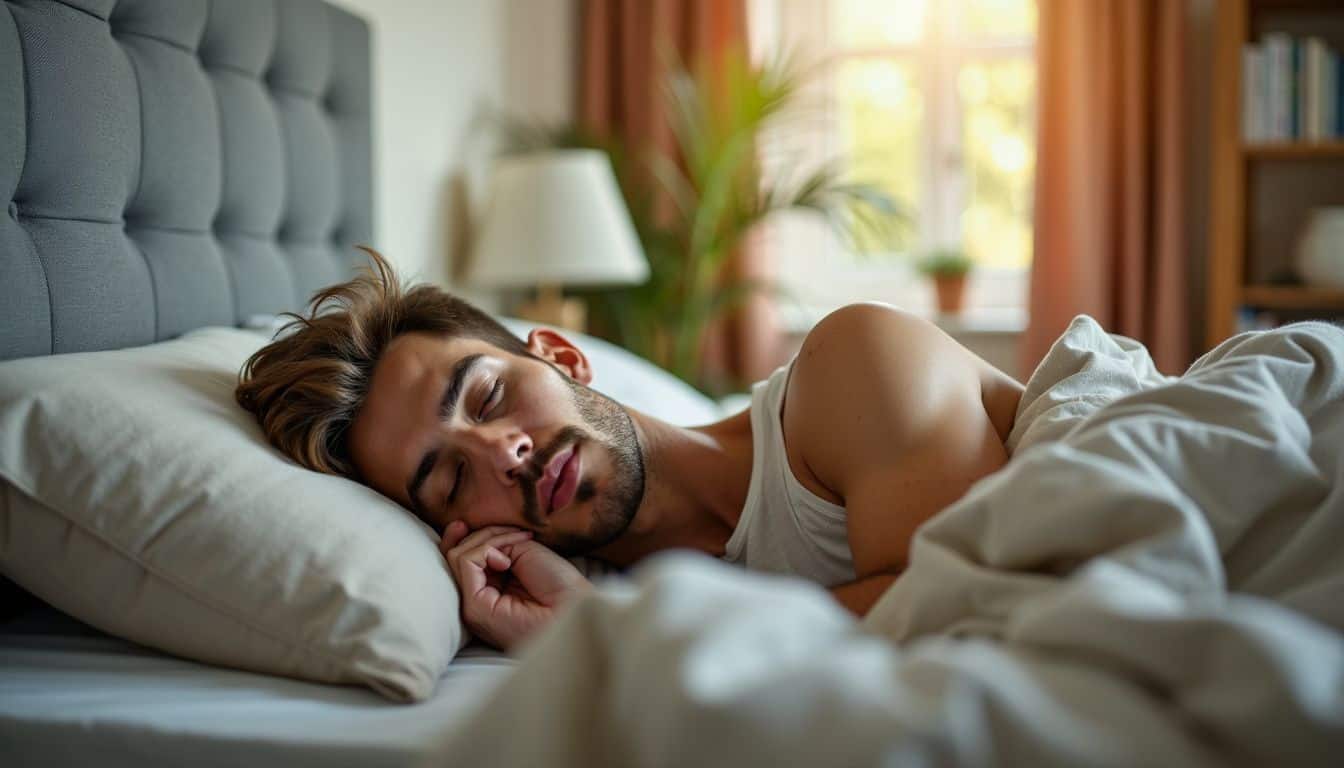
(437, 64)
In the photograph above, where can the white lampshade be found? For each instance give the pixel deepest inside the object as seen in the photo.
(556, 217)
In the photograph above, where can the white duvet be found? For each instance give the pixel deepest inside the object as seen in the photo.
(1155, 578)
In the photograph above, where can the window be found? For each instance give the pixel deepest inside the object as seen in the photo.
(934, 101)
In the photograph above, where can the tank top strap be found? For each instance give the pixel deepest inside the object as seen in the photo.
(784, 527)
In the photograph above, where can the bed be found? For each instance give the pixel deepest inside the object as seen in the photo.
(71, 695)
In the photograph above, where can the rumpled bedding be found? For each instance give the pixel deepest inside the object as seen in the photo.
(1155, 578)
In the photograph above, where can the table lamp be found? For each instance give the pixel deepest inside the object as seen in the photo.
(556, 218)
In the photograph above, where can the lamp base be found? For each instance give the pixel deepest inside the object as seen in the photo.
(550, 308)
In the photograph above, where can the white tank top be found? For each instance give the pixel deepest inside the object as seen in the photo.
(784, 527)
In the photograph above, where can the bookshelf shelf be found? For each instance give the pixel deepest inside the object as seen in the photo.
(1296, 150)
(1293, 297)
(1295, 5)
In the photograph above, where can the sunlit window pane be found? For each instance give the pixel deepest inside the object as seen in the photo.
(877, 23)
(997, 103)
(998, 19)
(881, 111)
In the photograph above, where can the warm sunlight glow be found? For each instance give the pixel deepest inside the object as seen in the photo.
(974, 84)
(1000, 18)
(934, 102)
(1009, 153)
(880, 118)
(871, 23)
(998, 136)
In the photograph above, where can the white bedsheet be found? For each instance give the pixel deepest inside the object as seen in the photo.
(1156, 578)
(73, 696)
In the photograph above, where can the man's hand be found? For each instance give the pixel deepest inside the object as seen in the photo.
(511, 586)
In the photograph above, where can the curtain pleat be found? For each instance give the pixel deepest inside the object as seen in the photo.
(1111, 238)
(621, 96)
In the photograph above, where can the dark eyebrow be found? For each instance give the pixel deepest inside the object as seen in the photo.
(454, 391)
(446, 408)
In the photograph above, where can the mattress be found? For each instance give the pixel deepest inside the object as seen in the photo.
(70, 695)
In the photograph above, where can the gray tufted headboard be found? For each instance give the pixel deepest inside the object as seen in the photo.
(169, 164)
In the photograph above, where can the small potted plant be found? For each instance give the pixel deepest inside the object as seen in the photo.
(947, 267)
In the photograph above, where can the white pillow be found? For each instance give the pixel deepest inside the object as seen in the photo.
(631, 380)
(137, 496)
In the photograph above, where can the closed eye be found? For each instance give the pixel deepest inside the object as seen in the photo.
(491, 400)
(457, 482)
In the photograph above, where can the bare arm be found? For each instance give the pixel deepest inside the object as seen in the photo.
(887, 410)
(859, 595)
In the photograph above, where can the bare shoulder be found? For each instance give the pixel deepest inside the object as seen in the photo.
(892, 417)
(856, 330)
(873, 350)
(868, 381)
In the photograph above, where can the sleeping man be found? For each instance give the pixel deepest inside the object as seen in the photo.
(879, 422)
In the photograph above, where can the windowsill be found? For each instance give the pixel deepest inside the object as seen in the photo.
(983, 321)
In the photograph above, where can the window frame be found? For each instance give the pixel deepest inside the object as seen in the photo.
(943, 50)
(940, 54)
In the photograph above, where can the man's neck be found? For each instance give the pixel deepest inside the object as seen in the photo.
(695, 485)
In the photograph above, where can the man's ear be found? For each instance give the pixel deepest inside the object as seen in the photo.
(559, 351)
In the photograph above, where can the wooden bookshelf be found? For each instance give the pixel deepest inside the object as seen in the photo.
(1293, 297)
(1260, 194)
(1296, 5)
(1303, 150)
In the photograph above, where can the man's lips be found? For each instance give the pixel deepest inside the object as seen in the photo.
(567, 483)
(559, 481)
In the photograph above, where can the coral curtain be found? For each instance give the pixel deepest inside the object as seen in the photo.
(621, 96)
(1111, 238)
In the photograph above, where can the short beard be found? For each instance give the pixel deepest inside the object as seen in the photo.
(606, 425)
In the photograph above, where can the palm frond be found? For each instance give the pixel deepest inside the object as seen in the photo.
(725, 115)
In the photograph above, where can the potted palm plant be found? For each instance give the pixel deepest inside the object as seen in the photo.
(948, 269)
(720, 193)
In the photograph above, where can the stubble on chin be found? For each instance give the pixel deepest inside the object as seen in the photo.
(611, 431)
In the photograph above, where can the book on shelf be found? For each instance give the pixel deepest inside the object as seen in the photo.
(1292, 90)
(1254, 319)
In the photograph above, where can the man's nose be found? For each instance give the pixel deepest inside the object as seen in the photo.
(506, 449)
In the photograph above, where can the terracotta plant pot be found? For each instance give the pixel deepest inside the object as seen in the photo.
(951, 293)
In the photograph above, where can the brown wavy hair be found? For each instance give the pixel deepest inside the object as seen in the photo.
(307, 385)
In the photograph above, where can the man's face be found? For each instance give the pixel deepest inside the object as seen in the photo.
(459, 429)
